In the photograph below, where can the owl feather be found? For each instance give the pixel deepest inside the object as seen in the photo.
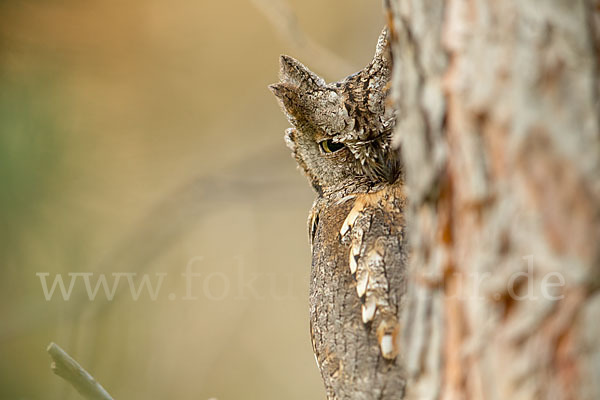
(341, 138)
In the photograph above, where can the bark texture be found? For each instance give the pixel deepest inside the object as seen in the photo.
(499, 130)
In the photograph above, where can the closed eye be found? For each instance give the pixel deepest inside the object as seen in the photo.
(329, 146)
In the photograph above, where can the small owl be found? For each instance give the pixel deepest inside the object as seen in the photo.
(341, 138)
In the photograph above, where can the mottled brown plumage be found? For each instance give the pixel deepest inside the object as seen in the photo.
(341, 138)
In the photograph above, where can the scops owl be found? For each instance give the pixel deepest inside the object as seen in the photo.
(341, 138)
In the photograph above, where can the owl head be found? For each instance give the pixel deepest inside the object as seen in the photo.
(341, 131)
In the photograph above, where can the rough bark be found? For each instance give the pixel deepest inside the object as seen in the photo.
(499, 130)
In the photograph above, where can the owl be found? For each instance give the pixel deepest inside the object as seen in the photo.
(341, 139)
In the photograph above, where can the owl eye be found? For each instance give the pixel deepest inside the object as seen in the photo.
(329, 146)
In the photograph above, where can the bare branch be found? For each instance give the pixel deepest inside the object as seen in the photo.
(282, 17)
(68, 369)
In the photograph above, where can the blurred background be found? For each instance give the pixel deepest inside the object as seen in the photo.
(139, 137)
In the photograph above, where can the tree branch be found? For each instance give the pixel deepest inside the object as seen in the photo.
(282, 17)
(68, 369)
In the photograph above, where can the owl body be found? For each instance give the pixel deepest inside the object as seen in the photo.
(341, 139)
(348, 349)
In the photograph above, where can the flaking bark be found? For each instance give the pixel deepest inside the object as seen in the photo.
(499, 131)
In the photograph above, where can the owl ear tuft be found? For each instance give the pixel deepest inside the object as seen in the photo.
(281, 90)
(285, 92)
(294, 72)
(383, 52)
(289, 98)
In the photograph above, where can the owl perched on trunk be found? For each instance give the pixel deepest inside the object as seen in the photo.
(341, 138)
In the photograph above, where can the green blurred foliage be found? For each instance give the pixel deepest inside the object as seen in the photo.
(31, 150)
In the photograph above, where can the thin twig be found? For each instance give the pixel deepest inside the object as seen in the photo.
(68, 369)
(282, 17)
(251, 179)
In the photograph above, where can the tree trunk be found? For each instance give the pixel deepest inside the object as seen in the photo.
(499, 129)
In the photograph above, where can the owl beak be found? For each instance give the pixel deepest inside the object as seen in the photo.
(388, 171)
(392, 170)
